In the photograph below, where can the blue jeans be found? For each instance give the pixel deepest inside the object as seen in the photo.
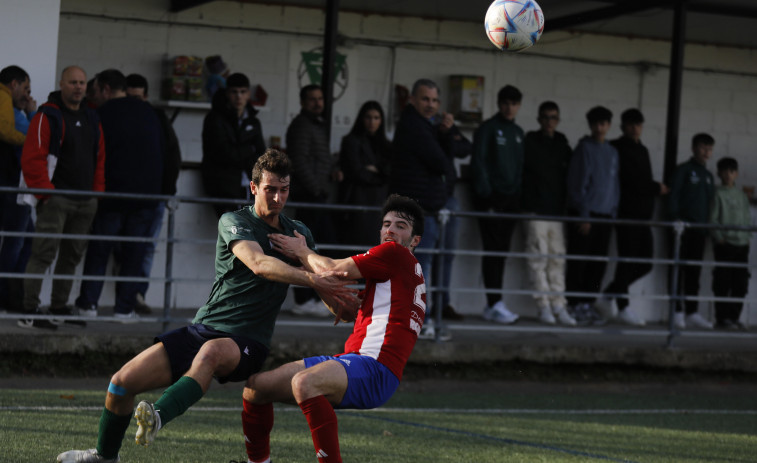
(429, 240)
(154, 231)
(112, 222)
(15, 250)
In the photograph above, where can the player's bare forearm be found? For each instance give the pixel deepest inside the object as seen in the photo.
(296, 248)
(270, 268)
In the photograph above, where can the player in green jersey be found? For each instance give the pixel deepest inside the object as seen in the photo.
(230, 336)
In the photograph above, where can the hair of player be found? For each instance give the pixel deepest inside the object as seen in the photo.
(406, 208)
(598, 114)
(136, 81)
(727, 164)
(273, 161)
(509, 93)
(113, 78)
(548, 106)
(631, 116)
(307, 89)
(702, 139)
(428, 83)
(237, 80)
(11, 73)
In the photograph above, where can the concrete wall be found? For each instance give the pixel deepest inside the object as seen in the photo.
(29, 34)
(578, 71)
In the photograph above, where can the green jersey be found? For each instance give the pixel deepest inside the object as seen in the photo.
(242, 302)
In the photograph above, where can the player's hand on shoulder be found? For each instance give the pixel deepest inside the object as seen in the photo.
(290, 246)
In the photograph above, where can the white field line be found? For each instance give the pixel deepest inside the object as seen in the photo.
(468, 411)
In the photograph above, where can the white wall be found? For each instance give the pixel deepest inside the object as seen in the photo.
(29, 34)
(578, 71)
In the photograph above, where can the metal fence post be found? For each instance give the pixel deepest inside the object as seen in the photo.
(675, 296)
(438, 259)
(171, 205)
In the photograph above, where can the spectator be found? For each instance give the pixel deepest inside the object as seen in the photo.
(730, 207)
(593, 192)
(423, 168)
(315, 170)
(17, 107)
(638, 191)
(65, 138)
(497, 167)
(232, 140)
(136, 87)
(691, 191)
(134, 143)
(364, 158)
(545, 169)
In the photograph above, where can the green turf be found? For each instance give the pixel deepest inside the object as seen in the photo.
(548, 428)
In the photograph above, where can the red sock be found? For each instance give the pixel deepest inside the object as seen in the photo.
(257, 422)
(323, 427)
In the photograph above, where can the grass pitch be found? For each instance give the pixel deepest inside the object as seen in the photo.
(428, 422)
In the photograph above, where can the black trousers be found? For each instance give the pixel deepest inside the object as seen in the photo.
(586, 275)
(730, 281)
(496, 235)
(633, 242)
(692, 248)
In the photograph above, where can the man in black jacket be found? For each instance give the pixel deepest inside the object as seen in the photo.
(137, 87)
(232, 140)
(425, 145)
(637, 195)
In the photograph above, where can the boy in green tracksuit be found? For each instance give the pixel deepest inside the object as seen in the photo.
(691, 191)
(730, 207)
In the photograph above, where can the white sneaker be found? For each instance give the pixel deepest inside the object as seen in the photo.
(84, 456)
(563, 316)
(607, 307)
(629, 317)
(148, 421)
(679, 321)
(498, 313)
(130, 317)
(545, 316)
(697, 321)
(90, 311)
(311, 308)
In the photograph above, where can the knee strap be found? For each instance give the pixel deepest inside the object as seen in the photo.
(116, 390)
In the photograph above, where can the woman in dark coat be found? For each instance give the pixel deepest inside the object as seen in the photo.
(364, 160)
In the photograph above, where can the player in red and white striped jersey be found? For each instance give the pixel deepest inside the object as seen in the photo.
(369, 370)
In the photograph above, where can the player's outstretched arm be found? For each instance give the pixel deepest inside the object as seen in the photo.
(296, 248)
(332, 284)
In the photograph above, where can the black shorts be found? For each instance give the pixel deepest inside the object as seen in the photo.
(183, 344)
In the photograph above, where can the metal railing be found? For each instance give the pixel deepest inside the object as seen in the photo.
(169, 280)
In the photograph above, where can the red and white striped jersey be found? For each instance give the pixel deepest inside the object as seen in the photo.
(394, 305)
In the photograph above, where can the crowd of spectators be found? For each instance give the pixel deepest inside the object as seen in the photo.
(105, 136)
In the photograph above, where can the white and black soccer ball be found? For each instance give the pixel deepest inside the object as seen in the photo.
(514, 25)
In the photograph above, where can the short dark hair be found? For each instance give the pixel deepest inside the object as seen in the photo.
(408, 209)
(113, 78)
(728, 164)
(136, 81)
(11, 73)
(631, 116)
(702, 139)
(598, 114)
(273, 161)
(548, 106)
(307, 89)
(509, 93)
(425, 83)
(237, 80)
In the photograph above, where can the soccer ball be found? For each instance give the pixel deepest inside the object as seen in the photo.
(514, 25)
